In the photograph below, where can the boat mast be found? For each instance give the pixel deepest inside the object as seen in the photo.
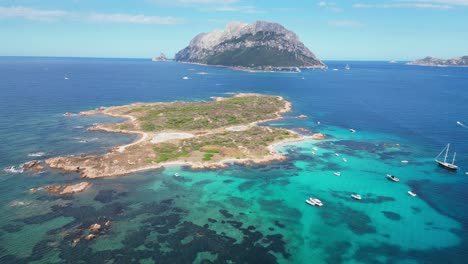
(453, 161)
(446, 153)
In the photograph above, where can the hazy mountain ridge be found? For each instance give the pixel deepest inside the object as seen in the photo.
(430, 61)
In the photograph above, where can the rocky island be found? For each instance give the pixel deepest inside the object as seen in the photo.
(161, 57)
(205, 134)
(430, 61)
(261, 46)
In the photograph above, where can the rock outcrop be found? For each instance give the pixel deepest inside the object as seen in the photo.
(260, 45)
(161, 57)
(430, 61)
(64, 189)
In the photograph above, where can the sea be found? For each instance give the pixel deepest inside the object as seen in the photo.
(241, 214)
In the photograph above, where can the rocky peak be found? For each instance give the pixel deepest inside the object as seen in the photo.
(256, 44)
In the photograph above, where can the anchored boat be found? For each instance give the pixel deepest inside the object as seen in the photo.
(445, 164)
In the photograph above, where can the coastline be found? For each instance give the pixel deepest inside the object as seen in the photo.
(145, 138)
(251, 70)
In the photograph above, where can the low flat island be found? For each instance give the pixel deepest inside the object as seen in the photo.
(203, 135)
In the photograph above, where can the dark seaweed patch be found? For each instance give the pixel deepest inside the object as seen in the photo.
(246, 185)
(278, 224)
(105, 196)
(358, 222)
(225, 213)
(211, 220)
(335, 252)
(392, 215)
(201, 183)
(12, 228)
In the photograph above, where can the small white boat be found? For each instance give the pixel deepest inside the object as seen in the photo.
(335, 69)
(316, 201)
(313, 152)
(337, 173)
(336, 154)
(466, 172)
(356, 196)
(310, 202)
(392, 178)
(315, 148)
(185, 78)
(318, 122)
(412, 193)
(176, 174)
(352, 130)
(345, 160)
(404, 161)
(347, 67)
(66, 78)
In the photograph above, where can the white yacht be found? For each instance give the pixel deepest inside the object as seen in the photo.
(356, 196)
(412, 193)
(445, 164)
(392, 178)
(337, 173)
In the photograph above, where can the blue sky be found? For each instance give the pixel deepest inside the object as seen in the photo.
(333, 30)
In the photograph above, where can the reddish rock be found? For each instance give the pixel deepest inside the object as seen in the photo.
(90, 237)
(95, 228)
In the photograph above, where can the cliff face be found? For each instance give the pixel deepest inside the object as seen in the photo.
(261, 44)
(429, 61)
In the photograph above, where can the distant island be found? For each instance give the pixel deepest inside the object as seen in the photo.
(206, 134)
(262, 46)
(161, 57)
(430, 61)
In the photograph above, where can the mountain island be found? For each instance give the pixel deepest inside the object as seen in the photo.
(430, 61)
(203, 135)
(262, 46)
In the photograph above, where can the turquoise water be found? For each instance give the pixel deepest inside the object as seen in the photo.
(253, 214)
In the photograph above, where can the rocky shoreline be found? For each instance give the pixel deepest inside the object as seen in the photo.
(112, 164)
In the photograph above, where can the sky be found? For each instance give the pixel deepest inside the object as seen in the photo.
(332, 30)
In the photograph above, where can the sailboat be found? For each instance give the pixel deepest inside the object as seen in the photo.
(445, 164)
(347, 67)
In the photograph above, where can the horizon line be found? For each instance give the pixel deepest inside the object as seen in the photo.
(149, 58)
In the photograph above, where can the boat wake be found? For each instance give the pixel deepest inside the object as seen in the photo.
(461, 124)
(14, 169)
(36, 154)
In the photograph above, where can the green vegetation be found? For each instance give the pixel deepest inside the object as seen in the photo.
(148, 126)
(207, 157)
(189, 116)
(167, 151)
(253, 139)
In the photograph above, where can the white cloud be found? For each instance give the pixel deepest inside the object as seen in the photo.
(229, 8)
(345, 23)
(31, 13)
(405, 5)
(444, 2)
(193, 2)
(329, 6)
(54, 15)
(133, 19)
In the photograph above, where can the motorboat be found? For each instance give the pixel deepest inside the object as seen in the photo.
(176, 174)
(404, 161)
(392, 178)
(310, 202)
(352, 130)
(412, 193)
(356, 196)
(337, 173)
(316, 201)
(336, 154)
(345, 160)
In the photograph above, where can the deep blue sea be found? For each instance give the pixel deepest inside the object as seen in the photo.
(253, 214)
